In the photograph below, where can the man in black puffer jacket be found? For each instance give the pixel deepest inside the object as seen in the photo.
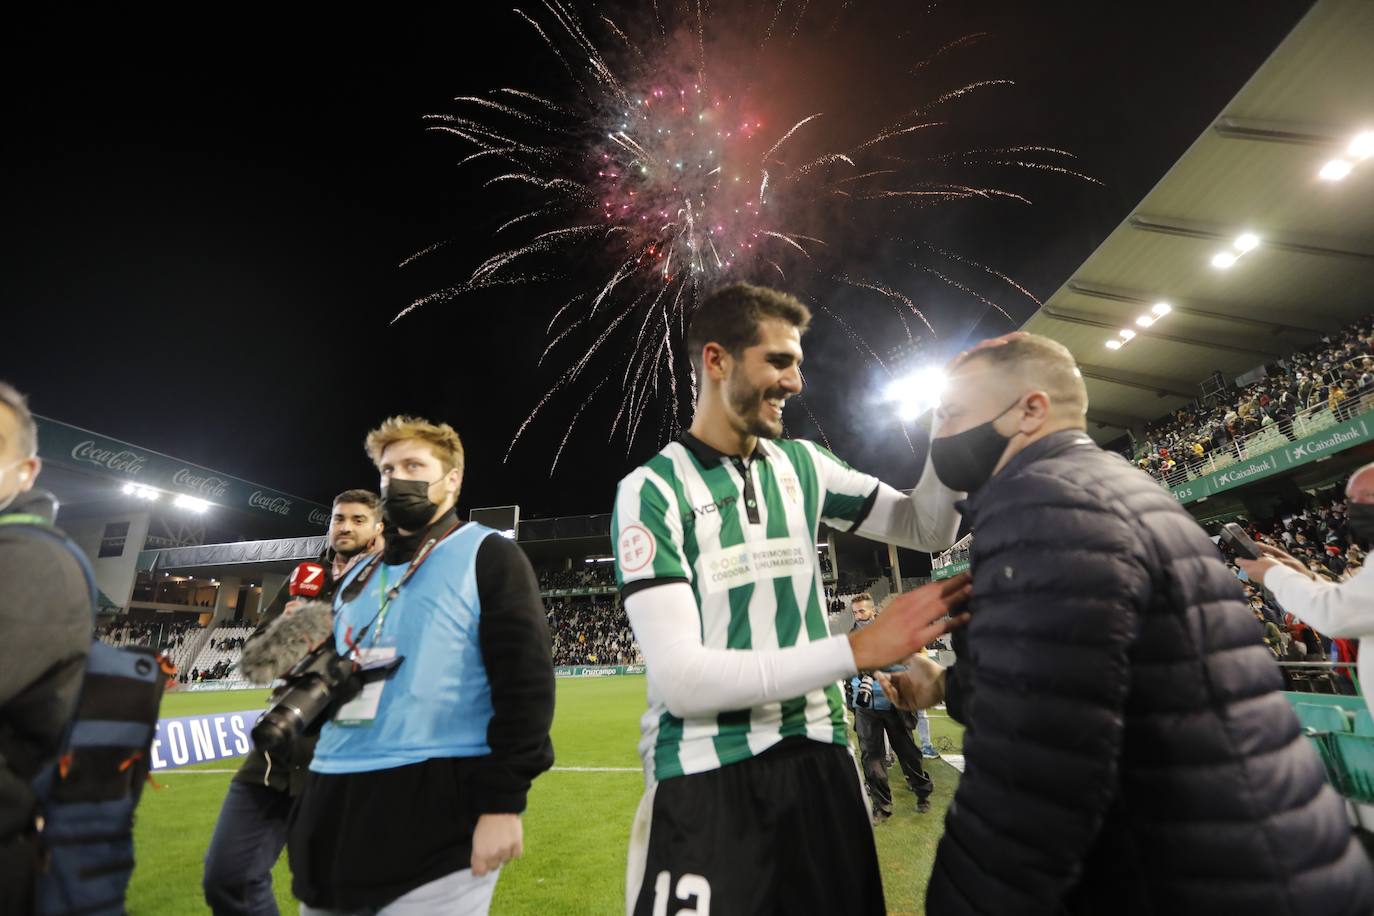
(1128, 748)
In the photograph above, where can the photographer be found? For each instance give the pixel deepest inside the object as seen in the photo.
(45, 633)
(413, 799)
(251, 831)
(1344, 609)
(876, 717)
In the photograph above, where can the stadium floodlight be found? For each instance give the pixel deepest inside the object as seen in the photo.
(1145, 320)
(190, 502)
(128, 489)
(1161, 309)
(916, 393)
(1246, 242)
(1126, 333)
(1362, 147)
(1223, 259)
(1113, 344)
(1335, 170)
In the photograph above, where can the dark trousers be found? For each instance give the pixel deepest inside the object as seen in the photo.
(871, 724)
(248, 840)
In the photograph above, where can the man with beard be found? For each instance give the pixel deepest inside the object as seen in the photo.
(413, 800)
(753, 799)
(251, 831)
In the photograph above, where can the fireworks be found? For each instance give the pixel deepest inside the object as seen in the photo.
(673, 167)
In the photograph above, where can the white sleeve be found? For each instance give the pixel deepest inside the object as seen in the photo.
(692, 680)
(1345, 611)
(925, 520)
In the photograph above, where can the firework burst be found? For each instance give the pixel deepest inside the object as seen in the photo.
(675, 168)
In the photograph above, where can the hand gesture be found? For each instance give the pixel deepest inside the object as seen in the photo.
(921, 686)
(910, 622)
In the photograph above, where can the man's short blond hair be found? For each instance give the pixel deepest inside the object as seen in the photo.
(441, 438)
(1041, 363)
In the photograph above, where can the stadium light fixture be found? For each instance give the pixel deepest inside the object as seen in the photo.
(1362, 147)
(1246, 242)
(1126, 333)
(1145, 320)
(128, 489)
(1335, 170)
(1113, 344)
(916, 393)
(190, 502)
(1223, 260)
(1161, 309)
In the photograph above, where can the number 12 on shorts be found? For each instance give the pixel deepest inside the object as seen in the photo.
(688, 887)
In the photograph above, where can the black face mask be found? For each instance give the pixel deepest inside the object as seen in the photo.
(966, 460)
(1361, 521)
(406, 504)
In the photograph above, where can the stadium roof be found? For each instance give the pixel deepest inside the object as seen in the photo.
(1255, 170)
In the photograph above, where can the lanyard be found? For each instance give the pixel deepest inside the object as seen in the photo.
(389, 594)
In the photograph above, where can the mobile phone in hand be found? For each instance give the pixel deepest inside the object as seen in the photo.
(1236, 538)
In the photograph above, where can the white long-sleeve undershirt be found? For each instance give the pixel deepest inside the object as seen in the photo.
(692, 680)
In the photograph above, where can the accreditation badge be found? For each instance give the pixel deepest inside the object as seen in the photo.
(362, 709)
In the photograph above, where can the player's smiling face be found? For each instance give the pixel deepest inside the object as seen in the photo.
(763, 378)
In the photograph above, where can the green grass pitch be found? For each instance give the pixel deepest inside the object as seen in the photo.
(576, 827)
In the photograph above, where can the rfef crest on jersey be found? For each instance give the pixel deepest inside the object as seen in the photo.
(635, 549)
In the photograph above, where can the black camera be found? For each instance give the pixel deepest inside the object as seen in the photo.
(863, 695)
(318, 681)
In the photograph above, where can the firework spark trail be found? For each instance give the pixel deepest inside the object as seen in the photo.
(814, 422)
(572, 425)
(659, 171)
(964, 288)
(954, 256)
(966, 41)
(424, 251)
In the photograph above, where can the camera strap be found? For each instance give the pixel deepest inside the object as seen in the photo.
(389, 594)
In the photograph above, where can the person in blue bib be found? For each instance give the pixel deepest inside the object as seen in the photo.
(414, 796)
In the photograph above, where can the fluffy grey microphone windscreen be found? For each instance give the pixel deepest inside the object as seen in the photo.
(286, 640)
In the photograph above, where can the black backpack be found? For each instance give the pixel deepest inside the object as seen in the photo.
(88, 794)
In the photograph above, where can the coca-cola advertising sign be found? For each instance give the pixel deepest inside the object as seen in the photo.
(318, 516)
(208, 486)
(124, 461)
(278, 504)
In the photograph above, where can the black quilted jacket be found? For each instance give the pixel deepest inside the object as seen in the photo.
(1127, 747)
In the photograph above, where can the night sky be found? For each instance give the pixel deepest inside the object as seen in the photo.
(203, 221)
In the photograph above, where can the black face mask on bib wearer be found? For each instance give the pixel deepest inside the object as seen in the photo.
(1361, 520)
(406, 504)
(965, 461)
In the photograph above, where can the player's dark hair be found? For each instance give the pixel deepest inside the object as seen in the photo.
(730, 317)
(365, 497)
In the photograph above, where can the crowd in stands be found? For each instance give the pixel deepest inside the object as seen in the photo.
(1319, 537)
(591, 575)
(232, 642)
(215, 672)
(591, 632)
(1333, 378)
(164, 636)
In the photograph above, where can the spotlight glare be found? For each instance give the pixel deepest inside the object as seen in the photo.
(1246, 242)
(916, 393)
(128, 489)
(1335, 170)
(1161, 309)
(1145, 321)
(1113, 345)
(1362, 147)
(1127, 333)
(1223, 260)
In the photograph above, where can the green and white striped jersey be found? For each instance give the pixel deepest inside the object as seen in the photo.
(743, 536)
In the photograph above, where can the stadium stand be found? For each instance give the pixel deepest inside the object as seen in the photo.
(1306, 392)
(218, 661)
